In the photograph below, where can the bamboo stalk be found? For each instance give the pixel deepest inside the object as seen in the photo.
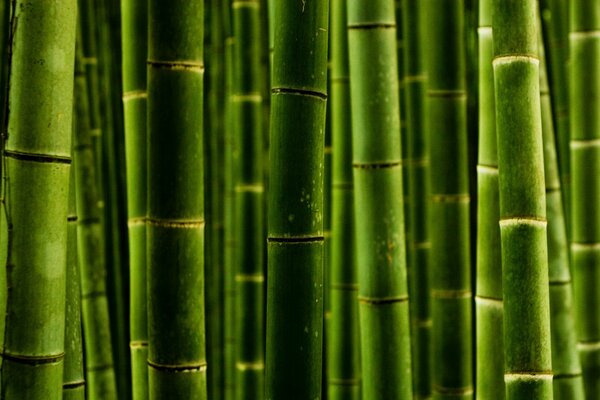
(418, 162)
(4, 37)
(249, 191)
(36, 155)
(488, 299)
(344, 336)
(135, 49)
(383, 292)
(528, 374)
(585, 191)
(295, 206)
(451, 311)
(176, 354)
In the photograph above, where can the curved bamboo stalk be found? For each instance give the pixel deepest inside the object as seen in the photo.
(295, 206)
(383, 292)
(585, 189)
(488, 299)
(36, 155)
(528, 374)
(449, 217)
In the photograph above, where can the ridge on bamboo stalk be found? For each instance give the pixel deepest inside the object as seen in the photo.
(36, 153)
(175, 238)
(451, 297)
(488, 299)
(528, 366)
(584, 97)
(295, 206)
(381, 262)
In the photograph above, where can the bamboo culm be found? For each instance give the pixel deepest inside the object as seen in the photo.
(584, 96)
(36, 156)
(343, 336)
(134, 20)
(248, 191)
(380, 252)
(175, 230)
(488, 299)
(295, 205)
(451, 334)
(528, 374)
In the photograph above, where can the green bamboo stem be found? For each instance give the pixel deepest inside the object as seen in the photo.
(295, 205)
(555, 24)
(418, 165)
(36, 155)
(488, 298)
(566, 367)
(230, 239)
(343, 336)
(176, 354)
(585, 190)
(528, 374)
(249, 202)
(100, 373)
(4, 33)
(451, 335)
(135, 49)
(73, 376)
(381, 263)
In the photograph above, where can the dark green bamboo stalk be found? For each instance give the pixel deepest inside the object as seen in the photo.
(451, 335)
(295, 206)
(566, 367)
(343, 336)
(36, 156)
(528, 374)
(585, 189)
(4, 33)
(135, 49)
(73, 379)
(419, 245)
(488, 299)
(100, 374)
(176, 356)
(383, 292)
(249, 202)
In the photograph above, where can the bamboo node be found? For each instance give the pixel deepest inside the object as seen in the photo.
(134, 95)
(584, 143)
(585, 247)
(528, 376)
(487, 169)
(377, 165)
(591, 34)
(451, 198)
(247, 97)
(34, 359)
(138, 344)
(254, 278)
(452, 94)
(37, 157)
(249, 366)
(200, 367)
(73, 385)
(382, 300)
(450, 294)
(249, 189)
(245, 3)
(508, 59)
(173, 223)
(299, 92)
(531, 220)
(177, 65)
(453, 391)
(136, 221)
(372, 25)
(589, 346)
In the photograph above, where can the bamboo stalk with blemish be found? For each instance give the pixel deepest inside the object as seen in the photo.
(584, 97)
(527, 374)
(381, 262)
(295, 205)
(36, 152)
(451, 335)
(175, 230)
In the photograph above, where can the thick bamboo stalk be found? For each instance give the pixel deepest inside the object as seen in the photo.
(488, 299)
(451, 335)
(295, 206)
(418, 163)
(4, 33)
(343, 336)
(383, 292)
(36, 156)
(176, 354)
(566, 367)
(585, 188)
(249, 191)
(528, 374)
(73, 379)
(135, 49)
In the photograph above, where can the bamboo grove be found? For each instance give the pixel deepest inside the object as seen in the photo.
(300, 199)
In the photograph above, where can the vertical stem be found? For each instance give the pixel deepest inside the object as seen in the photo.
(175, 239)
(585, 188)
(36, 158)
(295, 223)
(381, 255)
(528, 374)
(449, 217)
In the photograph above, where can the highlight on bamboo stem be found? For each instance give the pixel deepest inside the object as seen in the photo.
(308, 221)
